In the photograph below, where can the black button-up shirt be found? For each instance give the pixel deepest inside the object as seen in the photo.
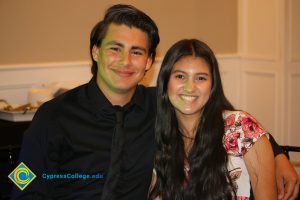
(73, 134)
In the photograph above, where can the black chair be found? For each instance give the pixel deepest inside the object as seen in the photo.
(288, 149)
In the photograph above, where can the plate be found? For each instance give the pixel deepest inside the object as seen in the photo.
(17, 116)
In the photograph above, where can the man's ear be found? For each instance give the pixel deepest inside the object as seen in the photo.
(95, 53)
(149, 63)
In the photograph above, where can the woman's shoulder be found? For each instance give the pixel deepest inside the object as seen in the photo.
(236, 113)
(239, 116)
(241, 126)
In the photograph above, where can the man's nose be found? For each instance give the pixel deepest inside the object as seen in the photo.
(125, 58)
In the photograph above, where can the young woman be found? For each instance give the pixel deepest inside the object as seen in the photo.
(206, 149)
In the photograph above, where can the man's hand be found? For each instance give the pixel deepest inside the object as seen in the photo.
(287, 178)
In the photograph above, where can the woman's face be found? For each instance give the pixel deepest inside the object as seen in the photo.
(189, 86)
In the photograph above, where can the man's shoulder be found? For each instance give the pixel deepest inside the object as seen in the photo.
(149, 93)
(69, 95)
(67, 98)
(148, 90)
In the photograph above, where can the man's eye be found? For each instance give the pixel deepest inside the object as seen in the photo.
(137, 53)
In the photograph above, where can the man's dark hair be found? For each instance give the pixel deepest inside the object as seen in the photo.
(127, 15)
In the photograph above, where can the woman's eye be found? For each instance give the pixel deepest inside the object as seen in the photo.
(201, 78)
(179, 76)
(117, 49)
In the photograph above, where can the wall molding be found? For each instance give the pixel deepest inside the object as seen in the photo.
(244, 37)
(291, 58)
(43, 65)
(17, 80)
(291, 76)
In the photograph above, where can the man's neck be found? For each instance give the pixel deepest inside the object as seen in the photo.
(116, 97)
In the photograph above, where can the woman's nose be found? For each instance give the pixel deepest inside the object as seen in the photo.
(189, 86)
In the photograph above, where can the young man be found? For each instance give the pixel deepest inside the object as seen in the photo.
(105, 128)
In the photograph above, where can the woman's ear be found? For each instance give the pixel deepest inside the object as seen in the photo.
(95, 53)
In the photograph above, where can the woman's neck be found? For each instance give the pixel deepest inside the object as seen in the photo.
(188, 125)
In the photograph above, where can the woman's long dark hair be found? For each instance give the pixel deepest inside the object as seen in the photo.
(209, 177)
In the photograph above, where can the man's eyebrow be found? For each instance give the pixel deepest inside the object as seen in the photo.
(122, 45)
(139, 48)
(115, 43)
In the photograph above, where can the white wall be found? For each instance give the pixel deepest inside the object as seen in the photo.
(292, 75)
(269, 46)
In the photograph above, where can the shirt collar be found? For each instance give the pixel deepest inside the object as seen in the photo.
(97, 98)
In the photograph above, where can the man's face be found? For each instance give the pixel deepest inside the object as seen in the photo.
(122, 60)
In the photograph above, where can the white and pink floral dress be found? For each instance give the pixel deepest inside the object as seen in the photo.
(241, 132)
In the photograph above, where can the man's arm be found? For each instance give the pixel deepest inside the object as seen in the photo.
(34, 157)
(286, 177)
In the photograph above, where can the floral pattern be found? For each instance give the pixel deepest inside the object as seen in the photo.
(241, 132)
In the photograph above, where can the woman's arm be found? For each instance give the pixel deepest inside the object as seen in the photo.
(153, 181)
(260, 164)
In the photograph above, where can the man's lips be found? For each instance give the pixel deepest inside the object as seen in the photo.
(124, 73)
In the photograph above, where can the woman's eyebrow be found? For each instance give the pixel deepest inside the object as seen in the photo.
(184, 72)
